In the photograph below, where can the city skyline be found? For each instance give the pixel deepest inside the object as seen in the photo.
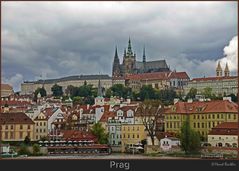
(80, 37)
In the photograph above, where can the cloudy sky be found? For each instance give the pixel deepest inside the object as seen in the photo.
(56, 39)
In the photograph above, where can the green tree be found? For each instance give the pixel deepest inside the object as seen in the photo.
(23, 150)
(190, 139)
(85, 90)
(121, 91)
(72, 91)
(57, 90)
(42, 92)
(192, 93)
(108, 93)
(207, 92)
(233, 97)
(99, 132)
(166, 96)
(147, 92)
(36, 149)
(27, 140)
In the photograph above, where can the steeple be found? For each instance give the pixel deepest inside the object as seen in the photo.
(129, 52)
(226, 71)
(116, 65)
(144, 57)
(116, 54)
(100, 94)
(219, 70)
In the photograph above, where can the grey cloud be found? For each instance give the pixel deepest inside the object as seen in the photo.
(69, 38)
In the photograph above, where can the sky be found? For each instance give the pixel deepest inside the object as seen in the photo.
(57, 39)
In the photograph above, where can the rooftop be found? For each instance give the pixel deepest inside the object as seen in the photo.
(15, 118)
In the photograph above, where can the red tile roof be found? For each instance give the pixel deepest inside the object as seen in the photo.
(76, 135)
(179, 75)
(106, 115)
(221, 106)
(15, 118)
(6, 87)
(15, 103)
(149, 76)
(213, 78)
(225, 128)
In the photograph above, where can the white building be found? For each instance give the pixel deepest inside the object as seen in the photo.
(168, 143)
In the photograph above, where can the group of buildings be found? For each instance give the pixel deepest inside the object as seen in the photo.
(215, 120)
(135, 74)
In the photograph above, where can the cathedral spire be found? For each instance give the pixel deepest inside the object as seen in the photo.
(129, 52)
(116, 53)
(144, 57)
(100, 94)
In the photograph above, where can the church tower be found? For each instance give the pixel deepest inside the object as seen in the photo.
(144, 60)
(129, 60)
(219, 70)
(116, 65)
(226, 71)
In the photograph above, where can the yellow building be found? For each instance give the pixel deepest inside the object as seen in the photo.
(203, 116)
(16, 126)
(41, 126)
(132, 134)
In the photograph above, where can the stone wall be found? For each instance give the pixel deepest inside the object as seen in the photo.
(150, 149)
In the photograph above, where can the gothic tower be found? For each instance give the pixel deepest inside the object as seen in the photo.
(116, 65)
(219, 70)
(144, 59)
(226, 71)
(129, 60)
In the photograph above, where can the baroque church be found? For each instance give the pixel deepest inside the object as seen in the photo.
(131, 66)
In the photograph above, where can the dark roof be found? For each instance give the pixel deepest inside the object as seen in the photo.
(152, 64)
(225, 128)
(71, 78)
(15, 118)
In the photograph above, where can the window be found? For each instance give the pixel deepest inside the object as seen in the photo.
(21, 126)
(133, 136)
(21, 135)
(40, 124)
(217, 116)
(11, 135)
(128, 136)
(6, 135)
(36, 130)
(194, 125)
(229, 116)
(137, 128)
(11, 126)
(198, 116)
(209, 124)
(44, 123)
(6, 127)
(202, 125)
(213, 116)
(28, 126)
(137, 135)
(198, 125)
(235, 116)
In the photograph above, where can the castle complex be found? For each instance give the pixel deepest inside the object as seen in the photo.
(131, 66)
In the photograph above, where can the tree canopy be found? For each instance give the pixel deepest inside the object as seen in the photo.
(99, 132)
(57, 90)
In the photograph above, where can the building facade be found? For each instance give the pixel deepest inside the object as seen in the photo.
(224, 135)
(222, 85)
(16, 126)
(29, 87)
(41, 127)
(203, 116)
(132, 134)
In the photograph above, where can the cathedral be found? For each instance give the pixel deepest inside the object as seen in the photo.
(131, 66)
